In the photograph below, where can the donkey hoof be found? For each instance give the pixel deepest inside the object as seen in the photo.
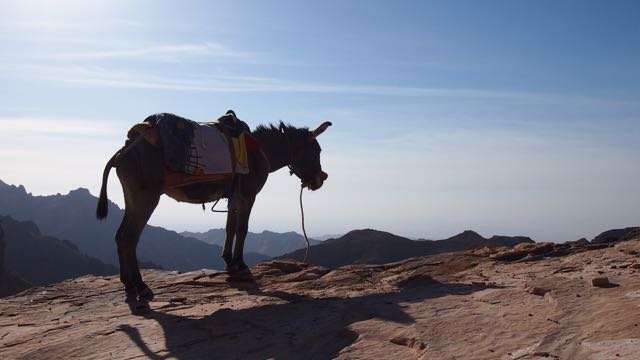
(146, 294)
(228, 264)
(239, 265)
(139, 307)
(131, 298)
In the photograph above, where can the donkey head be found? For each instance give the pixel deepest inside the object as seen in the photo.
(305, 157)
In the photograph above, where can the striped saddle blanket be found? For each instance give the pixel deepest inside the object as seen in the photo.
(196, 152)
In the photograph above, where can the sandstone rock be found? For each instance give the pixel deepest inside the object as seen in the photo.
(411, 342)
(580, 242)
(425, 307)
(535, 290)
(600, 281)
(551, 299)
(635, 266)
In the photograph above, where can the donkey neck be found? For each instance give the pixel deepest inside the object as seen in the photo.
(276, 146)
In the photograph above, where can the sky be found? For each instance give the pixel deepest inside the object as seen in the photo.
(504, 117)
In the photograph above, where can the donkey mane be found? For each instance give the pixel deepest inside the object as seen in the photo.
(262, 129)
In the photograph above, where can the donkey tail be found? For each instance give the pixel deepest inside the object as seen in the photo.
(102, 210)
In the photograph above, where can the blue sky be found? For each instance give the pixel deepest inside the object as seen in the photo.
(506, 117)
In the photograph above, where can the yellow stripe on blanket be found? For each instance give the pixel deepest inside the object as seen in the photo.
(239, 145)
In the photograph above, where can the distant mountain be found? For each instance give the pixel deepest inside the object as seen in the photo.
(72, 217)
(471, 240)
(378, 247)
(614, 235)
(42, 260)
(327, 236)
(267, 242)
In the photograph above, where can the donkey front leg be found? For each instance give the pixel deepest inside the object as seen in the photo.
(232, 221)
(241, 233)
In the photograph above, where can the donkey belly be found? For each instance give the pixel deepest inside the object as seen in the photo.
(198, 193)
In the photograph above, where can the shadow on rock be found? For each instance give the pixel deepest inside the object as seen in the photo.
(303, 327)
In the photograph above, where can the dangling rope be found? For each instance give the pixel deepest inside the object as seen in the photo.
(306, 254)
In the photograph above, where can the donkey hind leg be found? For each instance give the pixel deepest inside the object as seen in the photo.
(125, 273)
(232, 220)
(138, 210)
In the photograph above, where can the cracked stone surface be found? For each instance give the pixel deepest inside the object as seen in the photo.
(450, 306)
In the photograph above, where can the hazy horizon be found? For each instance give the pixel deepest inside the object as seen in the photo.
(508, 118)
(326, 236)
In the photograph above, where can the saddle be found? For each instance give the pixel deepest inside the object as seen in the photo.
(198, 152)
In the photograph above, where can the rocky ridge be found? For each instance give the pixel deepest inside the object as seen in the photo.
(369, 246)
(72, 217)
(535, 301)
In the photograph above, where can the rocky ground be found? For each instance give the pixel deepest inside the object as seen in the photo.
(532, 302)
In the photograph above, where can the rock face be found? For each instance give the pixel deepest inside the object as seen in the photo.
(467, 305)
(1, 248)
(614, 235)
(378, 247)
(43, 259)
(9, 283)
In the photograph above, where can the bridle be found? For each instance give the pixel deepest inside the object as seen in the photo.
(291, 172)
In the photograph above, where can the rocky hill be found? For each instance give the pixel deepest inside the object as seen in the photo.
(534, 301)
(41, 260)
(9, 282)
(378, 247)
(72, 217)
(267, 242)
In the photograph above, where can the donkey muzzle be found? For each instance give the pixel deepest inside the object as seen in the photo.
(317, 182)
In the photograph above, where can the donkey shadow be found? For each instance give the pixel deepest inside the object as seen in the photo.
(312, 328)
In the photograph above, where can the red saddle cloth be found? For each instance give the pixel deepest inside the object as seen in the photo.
(251, 142)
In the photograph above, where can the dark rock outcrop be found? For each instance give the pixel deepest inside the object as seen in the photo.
(9, 283)
(614, 235)
(41, 259)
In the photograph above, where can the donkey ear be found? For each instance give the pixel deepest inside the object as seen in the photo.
(320, 130)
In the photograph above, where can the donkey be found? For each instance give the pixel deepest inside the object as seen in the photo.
(140, 168)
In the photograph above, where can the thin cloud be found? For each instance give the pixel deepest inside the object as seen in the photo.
(56, 126)
(72, 25)
(96, 76)
(172, 52)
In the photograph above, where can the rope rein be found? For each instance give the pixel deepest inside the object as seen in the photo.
(292, 172)
(304, 231)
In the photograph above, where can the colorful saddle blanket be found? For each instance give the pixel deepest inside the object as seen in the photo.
(196, 152)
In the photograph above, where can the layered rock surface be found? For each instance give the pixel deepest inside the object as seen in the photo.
(480, 304)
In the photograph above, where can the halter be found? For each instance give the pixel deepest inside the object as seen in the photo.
(290, 165)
